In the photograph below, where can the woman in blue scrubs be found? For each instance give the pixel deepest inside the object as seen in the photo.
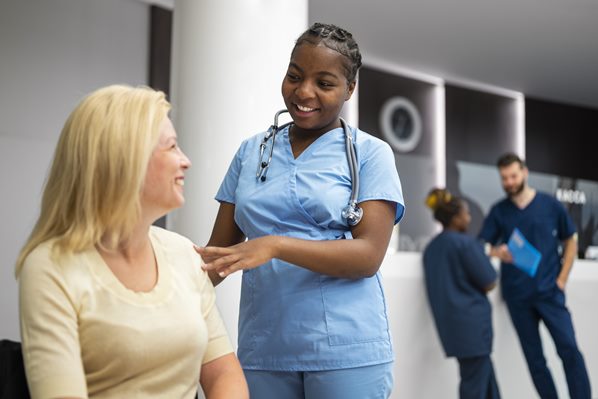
(458, 275)
(313, 320)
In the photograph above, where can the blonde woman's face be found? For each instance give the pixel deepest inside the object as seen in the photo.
(163, 187)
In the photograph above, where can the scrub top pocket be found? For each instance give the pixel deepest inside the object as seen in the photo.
(355, 310)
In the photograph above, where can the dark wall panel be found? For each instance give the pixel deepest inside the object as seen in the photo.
(561, 139)
(479, 126)
(160, 38)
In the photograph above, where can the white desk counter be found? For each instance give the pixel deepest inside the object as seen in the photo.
(421, 371)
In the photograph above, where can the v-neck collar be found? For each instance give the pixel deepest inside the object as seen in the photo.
(527, 206)
(309, 148)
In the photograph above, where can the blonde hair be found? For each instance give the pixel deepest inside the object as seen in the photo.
(93, 189)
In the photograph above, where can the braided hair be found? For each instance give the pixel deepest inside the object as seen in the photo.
(444, 205)
(336, 39)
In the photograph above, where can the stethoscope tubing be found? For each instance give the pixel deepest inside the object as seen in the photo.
(351, 212)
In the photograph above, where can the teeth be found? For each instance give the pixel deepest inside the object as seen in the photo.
(304, 109)
(180, 182)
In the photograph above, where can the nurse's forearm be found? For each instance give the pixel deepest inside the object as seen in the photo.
(569, 254)
(354, 258)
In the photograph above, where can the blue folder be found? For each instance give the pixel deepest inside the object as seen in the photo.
(525, 256)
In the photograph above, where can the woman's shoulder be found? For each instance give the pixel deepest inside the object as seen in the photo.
(47, 265)
(169, 239)
(179, 253)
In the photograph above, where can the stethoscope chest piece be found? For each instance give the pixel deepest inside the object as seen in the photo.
(353, 214)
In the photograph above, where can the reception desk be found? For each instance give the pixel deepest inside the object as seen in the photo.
(421, 371)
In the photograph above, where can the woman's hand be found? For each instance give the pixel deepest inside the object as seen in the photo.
(246, 255)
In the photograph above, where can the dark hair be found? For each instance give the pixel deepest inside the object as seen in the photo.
(444, 205)
(508, 159)
(337, 39)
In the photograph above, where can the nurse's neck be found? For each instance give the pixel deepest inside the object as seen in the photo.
(523, 198)
(300, 139)
(455, 227)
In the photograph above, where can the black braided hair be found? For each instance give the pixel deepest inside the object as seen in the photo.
(337, 39)
(444, 205)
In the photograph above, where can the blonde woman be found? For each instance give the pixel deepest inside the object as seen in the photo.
(111, 306)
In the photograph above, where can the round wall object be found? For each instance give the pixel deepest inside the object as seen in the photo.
(401, 124)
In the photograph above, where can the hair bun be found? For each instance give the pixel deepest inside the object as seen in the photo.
(436, 197)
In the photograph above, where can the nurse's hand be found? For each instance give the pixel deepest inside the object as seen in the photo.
(502, 252)
(561, 283)
(246, 255)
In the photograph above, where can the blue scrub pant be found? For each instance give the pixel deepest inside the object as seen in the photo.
(526, 316)
(478, 380)
(371, 382)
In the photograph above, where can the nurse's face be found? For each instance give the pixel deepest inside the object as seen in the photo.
(513, 178)
(315, 88)
(462, 220)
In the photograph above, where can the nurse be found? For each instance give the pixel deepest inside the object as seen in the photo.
(458, 275)
(313, 320)
(540, 297)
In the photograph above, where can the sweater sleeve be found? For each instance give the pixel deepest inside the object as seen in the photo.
(49, 330)
(218, 341)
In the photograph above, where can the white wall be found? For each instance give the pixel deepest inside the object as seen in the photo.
(51, 54)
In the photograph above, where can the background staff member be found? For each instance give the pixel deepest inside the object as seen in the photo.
(458, 275)
(313, 320)
(544, 222)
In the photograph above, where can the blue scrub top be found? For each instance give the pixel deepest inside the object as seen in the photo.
(456, 273)
(290, 318)
(545, 224)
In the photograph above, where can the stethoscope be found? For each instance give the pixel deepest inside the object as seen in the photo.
(352, 212)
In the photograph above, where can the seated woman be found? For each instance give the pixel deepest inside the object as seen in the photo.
(458, 275)
(111, 306)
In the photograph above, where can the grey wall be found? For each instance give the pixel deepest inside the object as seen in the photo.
(51, 54)
(417, 167)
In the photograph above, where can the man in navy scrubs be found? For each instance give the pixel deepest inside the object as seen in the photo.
(544, 222)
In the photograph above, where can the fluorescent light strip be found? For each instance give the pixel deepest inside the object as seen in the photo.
(484, 87)
(520, 125)
(440, 135)
(386, 66)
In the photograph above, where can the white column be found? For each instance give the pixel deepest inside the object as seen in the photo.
(229, 59)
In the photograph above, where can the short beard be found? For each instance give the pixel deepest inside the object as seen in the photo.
(517, 191)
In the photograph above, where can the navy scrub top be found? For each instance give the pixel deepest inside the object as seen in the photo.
(290, 318)
(456, 274)
(545, 224)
